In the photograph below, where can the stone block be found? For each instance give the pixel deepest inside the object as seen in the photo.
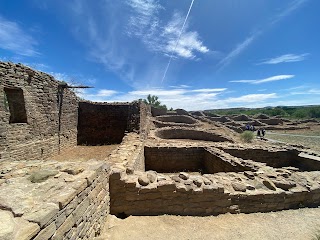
(64, 228)
(46, 233)
(42, 214)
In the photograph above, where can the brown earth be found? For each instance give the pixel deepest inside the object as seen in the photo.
(290, 224)
(84, 153)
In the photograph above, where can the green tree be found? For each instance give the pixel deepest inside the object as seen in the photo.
(154, 101)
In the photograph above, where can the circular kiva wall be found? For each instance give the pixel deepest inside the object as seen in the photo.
(177, 119)
(180, 133)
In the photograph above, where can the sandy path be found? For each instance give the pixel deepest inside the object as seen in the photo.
(291, 224)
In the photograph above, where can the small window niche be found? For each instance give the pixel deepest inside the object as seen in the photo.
(14, 100)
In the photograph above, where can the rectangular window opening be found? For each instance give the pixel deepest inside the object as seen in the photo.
(14, 100)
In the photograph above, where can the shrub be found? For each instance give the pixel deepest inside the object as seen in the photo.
(247, 136)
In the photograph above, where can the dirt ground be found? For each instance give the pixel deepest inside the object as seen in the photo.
(85, 153)
(302, 224)
(309, 138)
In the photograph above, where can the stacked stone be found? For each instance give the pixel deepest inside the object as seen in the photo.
(84, 216)
(53, 200)
(38, 137)
(107, 123)
(150, 193)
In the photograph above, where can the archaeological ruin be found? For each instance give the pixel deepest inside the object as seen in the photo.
(180, 163)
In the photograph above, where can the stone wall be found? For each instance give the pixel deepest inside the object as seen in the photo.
(107, 123)
(151, 193)
(277, 159)
(53, 200)
(187, 133)
(35, 133)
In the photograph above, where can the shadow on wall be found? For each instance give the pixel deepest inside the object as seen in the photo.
(101, 124)
(184, 133)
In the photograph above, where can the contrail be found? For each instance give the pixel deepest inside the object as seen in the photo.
(184, 23)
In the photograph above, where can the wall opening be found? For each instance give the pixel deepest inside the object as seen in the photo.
(173, 160)
(14, 100)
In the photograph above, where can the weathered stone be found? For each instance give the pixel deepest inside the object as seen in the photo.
(176, 178)
(152, 176)
(65, 227)
(284, 184)
(42, 175)
(198, 181)
(64, 197)
(74, 170)
(239, 187)
(42, 214)
(129, 170)
(270, 185)
(143, 180)
(79, 211)
(183, 175)
(46, 233)
(249, 174)
(25, 230)
(6, 225)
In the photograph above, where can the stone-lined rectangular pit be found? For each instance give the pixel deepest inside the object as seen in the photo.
(192, 159)
(277, 159)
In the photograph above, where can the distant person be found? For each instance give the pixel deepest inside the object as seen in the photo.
(263, 131)
(259, 133)
(252, 128)
(247, 127)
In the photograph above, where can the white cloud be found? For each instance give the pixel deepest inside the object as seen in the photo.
(312, 91)
(207, 90)
(189, 99)
(145, 24)
(250, 98)
(286, 58)
(14, 38)
(264, 80)
(106, 93)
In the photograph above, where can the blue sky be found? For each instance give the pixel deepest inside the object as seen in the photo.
(222, 54)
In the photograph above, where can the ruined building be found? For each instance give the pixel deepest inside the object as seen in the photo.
(166, 163)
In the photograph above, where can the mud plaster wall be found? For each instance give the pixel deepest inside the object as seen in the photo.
(38, 137)
(105, 123)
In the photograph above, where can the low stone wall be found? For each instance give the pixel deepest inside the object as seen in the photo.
(69, 200)
(177, 119)
(187, 133)
(277, 158)
(192, 159)
(151, 193)
(158, 111)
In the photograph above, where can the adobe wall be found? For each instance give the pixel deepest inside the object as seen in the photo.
(107, 123)
(37, 137)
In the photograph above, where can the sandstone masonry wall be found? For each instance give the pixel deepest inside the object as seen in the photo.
(46, 199)
(107, 123)
(180, 194)
(38, 137)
